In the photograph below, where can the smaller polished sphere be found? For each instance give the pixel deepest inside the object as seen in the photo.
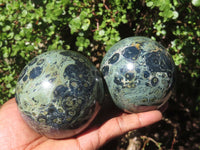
(139, 74)
(59, 93)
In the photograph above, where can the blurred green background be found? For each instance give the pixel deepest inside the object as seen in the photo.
(29, 28)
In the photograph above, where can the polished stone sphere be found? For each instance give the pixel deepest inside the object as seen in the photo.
(139, 74)
(59, 93)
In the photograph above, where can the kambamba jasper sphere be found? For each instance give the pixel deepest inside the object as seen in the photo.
(139, 74)
(59, 93)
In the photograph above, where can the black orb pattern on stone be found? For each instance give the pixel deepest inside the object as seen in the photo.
(71, 70)
(114, 58)
(33, 62)
(55, 118)
(154, 81)
(25, 78)
(78, 86)
(158, 62)
(105, 70)
(60, 91)
(76, 71)
(131, 53)
(118, 80)
(35, 72)
(78, 76)
(65, 53)
(146, 74)
(152, 61)
(129, 76)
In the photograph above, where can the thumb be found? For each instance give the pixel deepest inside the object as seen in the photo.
(118, 126)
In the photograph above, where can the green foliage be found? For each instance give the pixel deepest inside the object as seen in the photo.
(28, 28)
(177, 20)
(166, 8)
(196, 3)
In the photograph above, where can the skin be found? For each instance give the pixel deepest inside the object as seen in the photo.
(15, 134)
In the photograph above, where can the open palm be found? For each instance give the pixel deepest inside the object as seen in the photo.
(15, 134)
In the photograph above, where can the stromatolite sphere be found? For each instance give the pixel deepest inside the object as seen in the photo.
(59, 93)
(139, 74)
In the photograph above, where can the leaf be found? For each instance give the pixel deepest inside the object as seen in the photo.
(175, 15)
(75, 24)
(10, 35)
(196, 3)
(6, 52)
(82, 42)
(149, 4)
(86, 24)
(6, 28)
(17, 37)
(101, 32)
(24, 13)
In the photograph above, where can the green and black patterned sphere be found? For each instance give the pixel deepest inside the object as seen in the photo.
(59, 93)
(139, 74)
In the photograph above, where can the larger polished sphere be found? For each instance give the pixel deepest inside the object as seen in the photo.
(139, 74)
(59, 93)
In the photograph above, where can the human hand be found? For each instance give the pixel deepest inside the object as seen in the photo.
(15, 134)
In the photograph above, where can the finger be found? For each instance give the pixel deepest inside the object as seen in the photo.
(118, 126)
(14, 132)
